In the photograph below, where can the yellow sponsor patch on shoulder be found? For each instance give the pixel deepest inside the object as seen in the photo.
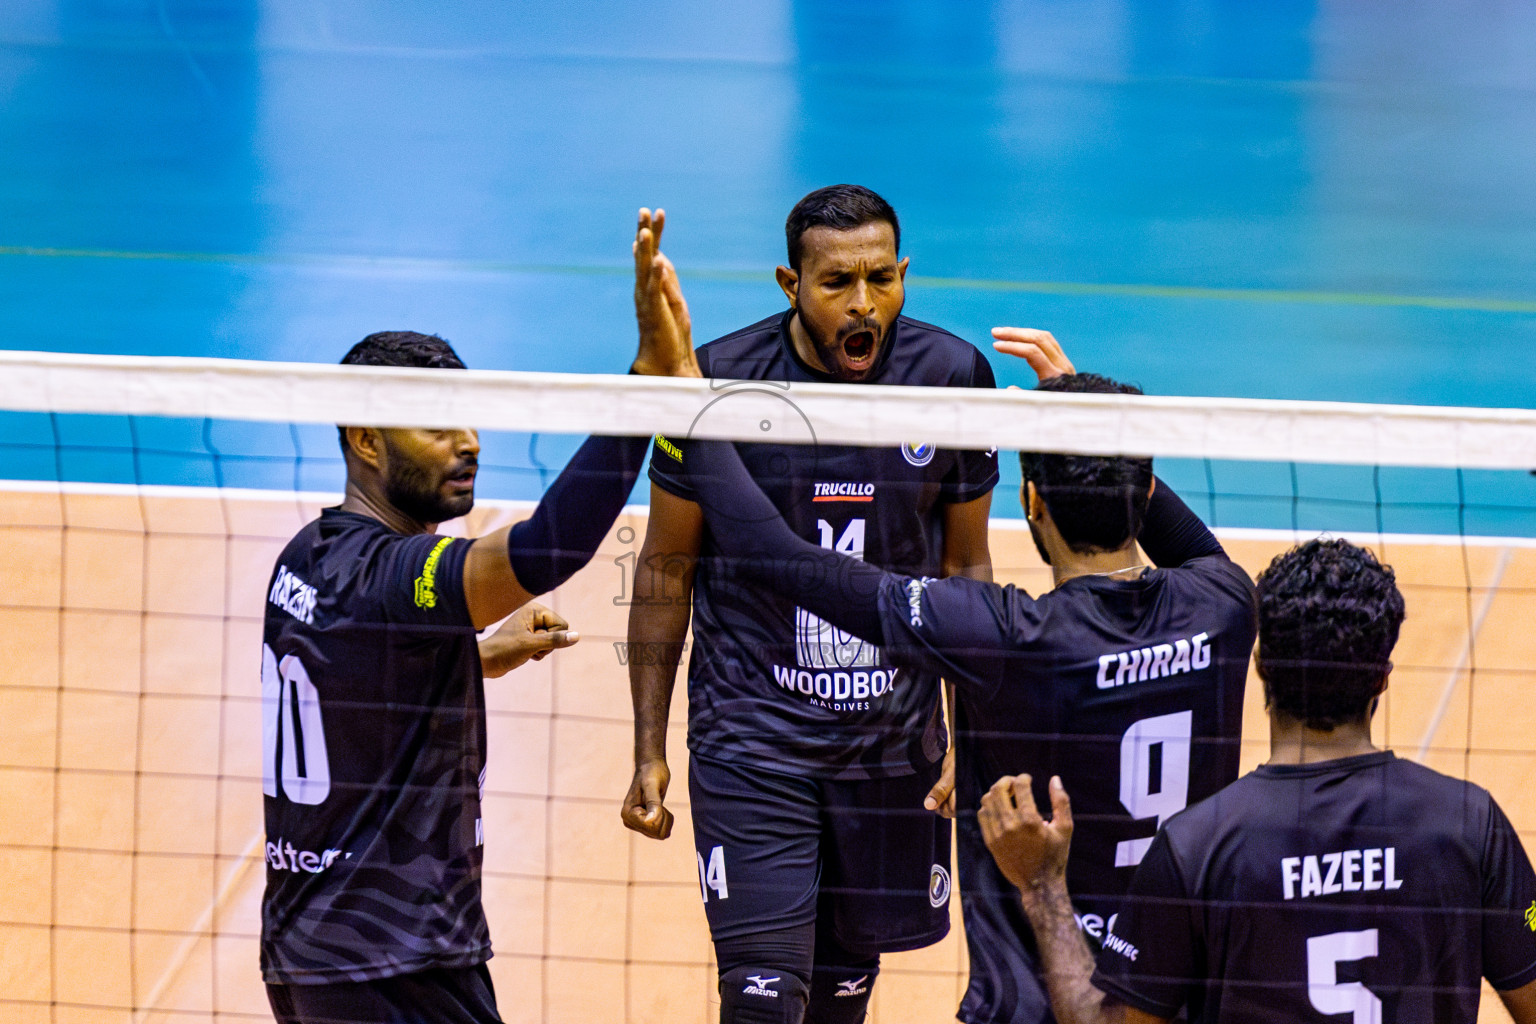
(426, 583)
(670, 448)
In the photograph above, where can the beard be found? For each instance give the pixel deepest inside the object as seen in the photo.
(830, 351)
(411, 489)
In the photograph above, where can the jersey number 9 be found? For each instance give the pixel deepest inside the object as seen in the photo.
(1154, 776)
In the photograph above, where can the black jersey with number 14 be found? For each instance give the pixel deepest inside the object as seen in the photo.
(373, 726)
(770, 684)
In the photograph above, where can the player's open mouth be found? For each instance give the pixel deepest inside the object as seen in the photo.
(462, 481)
(859, 350)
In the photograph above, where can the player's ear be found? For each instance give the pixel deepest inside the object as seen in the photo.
(789, 283)
(1032, 500)
(901, 267)
(367, 444)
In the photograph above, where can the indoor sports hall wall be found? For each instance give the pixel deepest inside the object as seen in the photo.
(131, 843)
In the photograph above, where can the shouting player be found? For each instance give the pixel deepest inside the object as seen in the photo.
(1127, 677)
(373, 708)
(1335, 882)
(812, 754)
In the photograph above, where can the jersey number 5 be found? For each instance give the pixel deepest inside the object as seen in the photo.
(1154, 776)
(1324, 953)
(290, 721)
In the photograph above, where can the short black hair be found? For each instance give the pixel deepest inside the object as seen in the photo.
(403, 348)
(841, 207)
(1098, 502)
(400, 348)
(1329, 615)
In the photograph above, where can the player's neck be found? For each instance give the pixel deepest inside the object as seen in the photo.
(1291, 742)
(364, 502)
(1124, 564)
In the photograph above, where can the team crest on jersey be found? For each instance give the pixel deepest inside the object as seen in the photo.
(1530, 916)
(938, 886)
(918, 453)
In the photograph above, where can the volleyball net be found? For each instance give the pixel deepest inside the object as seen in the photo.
(143, 503)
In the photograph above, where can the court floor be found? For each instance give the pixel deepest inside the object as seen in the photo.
(129, 729)
(1320, 199)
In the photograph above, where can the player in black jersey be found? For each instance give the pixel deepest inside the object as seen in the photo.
(1335, 882)
(1130, 678)
(373, 710)
(810, 748)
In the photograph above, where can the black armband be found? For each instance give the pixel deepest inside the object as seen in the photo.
(1172, 534)
(576, 513)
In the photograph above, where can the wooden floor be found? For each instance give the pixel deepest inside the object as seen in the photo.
(130, 725)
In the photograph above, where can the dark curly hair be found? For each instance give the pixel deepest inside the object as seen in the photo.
(400, 348)
(1329, 615)
(1097, 502)
(842, 207)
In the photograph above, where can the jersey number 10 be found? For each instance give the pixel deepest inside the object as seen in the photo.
(290, 720)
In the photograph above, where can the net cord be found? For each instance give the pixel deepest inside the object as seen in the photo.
(564, 403)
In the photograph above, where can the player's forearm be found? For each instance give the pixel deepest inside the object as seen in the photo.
(749, 530)
(576, 513)
(1065, 958)
(1172, 534)
(650, 690)
(658, 625)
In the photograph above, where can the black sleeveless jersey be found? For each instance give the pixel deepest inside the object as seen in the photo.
(1367, 885)
(769, 684)
(373, 727)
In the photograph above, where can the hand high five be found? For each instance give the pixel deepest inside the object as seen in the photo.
(1039, 349)
(1029, 850)
(666, 332)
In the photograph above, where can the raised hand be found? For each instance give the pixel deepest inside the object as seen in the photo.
(529, 634)
(643, 809)
(1039, 349)
(661, 313)
(1030, 851)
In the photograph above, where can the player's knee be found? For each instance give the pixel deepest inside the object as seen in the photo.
(840, 994)
(757, 995)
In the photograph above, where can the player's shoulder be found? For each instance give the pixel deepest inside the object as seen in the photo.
(925, 355)
(349, 552)
(1419, 786)
(746, 353)
(1215, 578)
(938, 341)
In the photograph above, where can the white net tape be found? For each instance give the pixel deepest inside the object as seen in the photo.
(565, 403)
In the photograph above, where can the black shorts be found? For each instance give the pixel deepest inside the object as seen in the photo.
(771, 846)
(443, 995)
